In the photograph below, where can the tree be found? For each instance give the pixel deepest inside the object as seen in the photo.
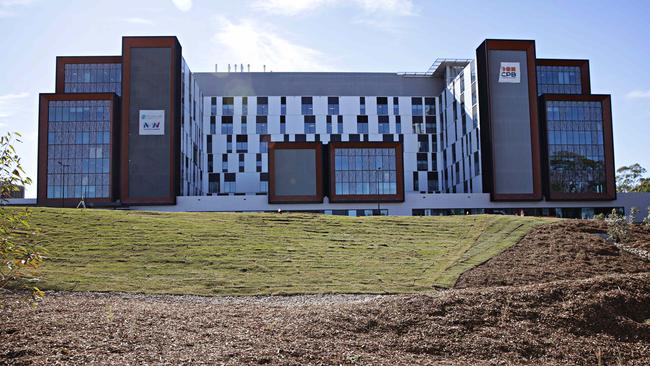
(20, 254)
(630, 179)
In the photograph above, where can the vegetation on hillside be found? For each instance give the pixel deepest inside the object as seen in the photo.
(20, 255)
(244, 254)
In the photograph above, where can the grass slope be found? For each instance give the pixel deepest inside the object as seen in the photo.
(245, 254)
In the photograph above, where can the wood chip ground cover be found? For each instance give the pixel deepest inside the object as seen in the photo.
(561, 296)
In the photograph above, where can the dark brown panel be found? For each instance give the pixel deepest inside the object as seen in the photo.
(482, 53)
(585, 78)
(318, 148)
(44, 99)
(61, 61)
(608, 140)
(175, 112)
(399, 166)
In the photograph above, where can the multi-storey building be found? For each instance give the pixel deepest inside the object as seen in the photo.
(506, 132)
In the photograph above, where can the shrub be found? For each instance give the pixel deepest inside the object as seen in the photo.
(20, 253)
(599, 217)
(618, 228)
(646, 220)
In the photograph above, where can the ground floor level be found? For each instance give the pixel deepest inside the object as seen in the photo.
(416, 204)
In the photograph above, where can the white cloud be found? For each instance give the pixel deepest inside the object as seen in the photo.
(14, 109)
(248, 42)
(183, 5)
(294, 7)
(289, 7)
(136, 20)
(7, 7)
(10, 104)
(638, 94)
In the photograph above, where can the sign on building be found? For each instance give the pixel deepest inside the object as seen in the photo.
(510, 72)
(152, 122)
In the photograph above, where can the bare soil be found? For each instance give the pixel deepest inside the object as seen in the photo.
(520, 315)
(569, 249)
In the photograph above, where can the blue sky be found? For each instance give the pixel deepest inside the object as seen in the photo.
(329, 35)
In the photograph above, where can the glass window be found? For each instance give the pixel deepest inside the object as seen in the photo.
(416, 106)
(93, 78)
(307, 106)
(228, 108)
(575, 146)
(310, 124)
(365, 171)
(384, 126)
(261, 127)
(559, 80)
(332, 106)
(362, 124)
(262, 106)
(382, 106)
(78, 145)
(226, 125)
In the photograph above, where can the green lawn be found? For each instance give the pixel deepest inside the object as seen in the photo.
(245, 254)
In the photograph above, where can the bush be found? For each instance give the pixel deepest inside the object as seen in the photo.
(599, 217)
(646, 220)
(618, 228)
(20, 254)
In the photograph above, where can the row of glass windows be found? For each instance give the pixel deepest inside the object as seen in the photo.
(66, 166)
(58, 126)
(78, 138)
(574, 111)
(307, 107)
(309, 125)
(79, 111)
(93, 78)
(368, 171)
(559, 80)
(592, 152)
(89, 191)
(78, 151)
(91, 179)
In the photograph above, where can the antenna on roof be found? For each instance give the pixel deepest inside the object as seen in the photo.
(248, 68)
(241, 67)
(264, 68)
(235, 67)
(216, 67)
(228, 67)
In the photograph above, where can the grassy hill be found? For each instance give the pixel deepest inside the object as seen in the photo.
(244, 254)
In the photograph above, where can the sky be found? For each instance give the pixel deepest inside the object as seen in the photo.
(329, 35)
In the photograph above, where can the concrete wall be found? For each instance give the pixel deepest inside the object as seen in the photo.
(510, 125)
(316, 83)
(412, 201)
(149, 166)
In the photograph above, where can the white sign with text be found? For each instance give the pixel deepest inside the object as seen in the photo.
(510, 72)
(152, 122)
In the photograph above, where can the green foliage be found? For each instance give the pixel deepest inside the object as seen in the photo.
(20, 254)
(630, 179)
(646, 220)
(618, 228)
(211, 253)
(599, 217)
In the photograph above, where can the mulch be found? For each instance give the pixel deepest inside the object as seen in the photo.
(570, 249)
(597, 314)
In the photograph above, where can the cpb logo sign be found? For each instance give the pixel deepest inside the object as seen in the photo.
(510, 72)
(152, 122)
